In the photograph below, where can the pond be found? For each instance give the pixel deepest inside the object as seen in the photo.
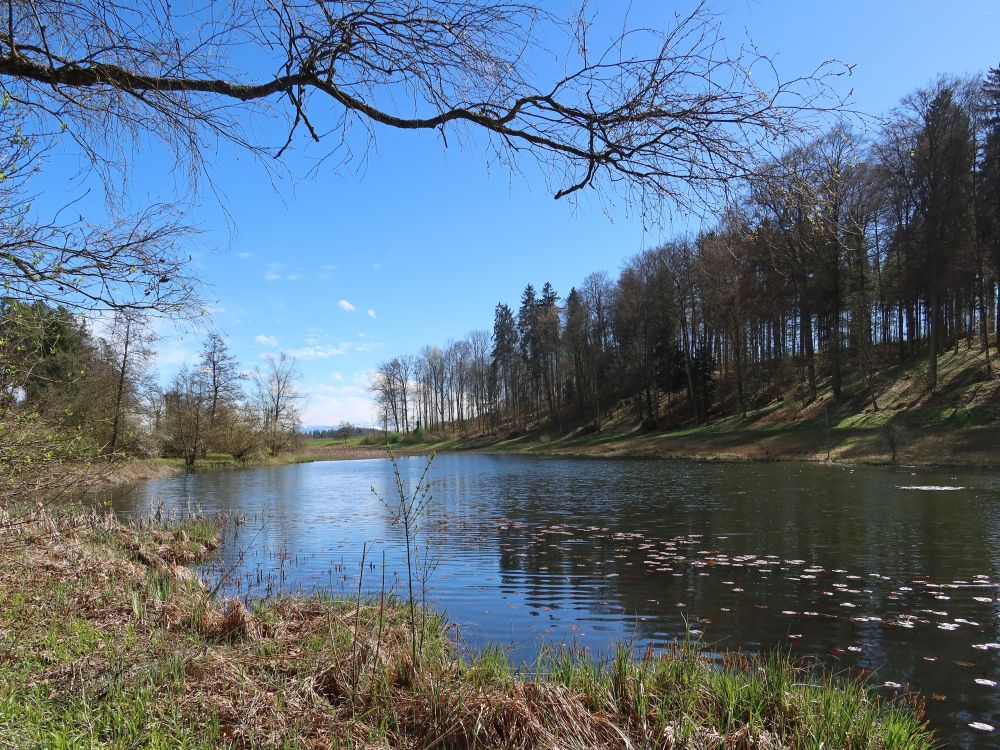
(893, 570)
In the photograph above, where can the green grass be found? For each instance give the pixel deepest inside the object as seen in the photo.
(682, 691)
(334, 442)
(213, 461)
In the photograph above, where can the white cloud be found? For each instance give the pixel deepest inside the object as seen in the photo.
(266, 340)
(340, 390)
(371, 313)
(330, 409)
(346, 306)
(276, 272)
(329, 267)
(318, 352)
(337, 375)
(174, 354)
(328, 403)
(244, 255)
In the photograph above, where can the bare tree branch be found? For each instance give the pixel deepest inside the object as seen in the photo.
(655, 115)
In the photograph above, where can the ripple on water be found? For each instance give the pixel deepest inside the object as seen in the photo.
(868, 569)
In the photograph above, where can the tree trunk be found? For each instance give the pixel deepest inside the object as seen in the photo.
(808, 349)
(121, 389)
(934, 325)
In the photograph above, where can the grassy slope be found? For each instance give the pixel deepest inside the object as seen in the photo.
(958, 424)
(107, 641)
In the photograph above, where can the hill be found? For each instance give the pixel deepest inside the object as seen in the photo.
(958, 423)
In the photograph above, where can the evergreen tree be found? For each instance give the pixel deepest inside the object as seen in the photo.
(988, 219)
(528, 336)
(943, 161)
(505, 355)
(547, 342)
(45, 350)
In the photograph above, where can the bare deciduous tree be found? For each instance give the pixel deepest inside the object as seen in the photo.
(648, 113)
(277, 398)
(129, 347)
(187, 405)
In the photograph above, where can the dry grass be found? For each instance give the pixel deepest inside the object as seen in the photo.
(108, 640)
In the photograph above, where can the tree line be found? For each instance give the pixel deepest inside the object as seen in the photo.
(102, 389)
(848, 253)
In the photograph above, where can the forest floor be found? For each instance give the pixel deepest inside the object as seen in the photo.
(109, 640)
(957, 424)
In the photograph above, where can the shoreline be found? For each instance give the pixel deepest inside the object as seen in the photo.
(969, 448)
(109, 637)
(101, 476)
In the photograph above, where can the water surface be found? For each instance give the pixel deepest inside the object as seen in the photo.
(861, 567)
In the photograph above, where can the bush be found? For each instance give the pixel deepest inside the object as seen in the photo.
(381, 438)
(419, 435)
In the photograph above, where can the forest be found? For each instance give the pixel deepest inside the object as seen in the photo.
(805, 253)
(873, 244)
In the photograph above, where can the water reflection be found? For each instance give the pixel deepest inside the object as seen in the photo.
(824, 561)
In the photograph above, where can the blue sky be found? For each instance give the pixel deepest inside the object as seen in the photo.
(417, 243)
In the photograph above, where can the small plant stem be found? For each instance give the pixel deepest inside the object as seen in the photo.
(381, 623)
(357, 625)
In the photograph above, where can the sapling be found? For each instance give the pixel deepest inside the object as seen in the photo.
(407, 508)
